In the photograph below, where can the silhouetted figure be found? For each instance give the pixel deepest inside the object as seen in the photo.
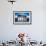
(21, 35)
(4, 44)
(41, 42)
(44, 45)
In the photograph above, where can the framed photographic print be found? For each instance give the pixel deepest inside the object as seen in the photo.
(22, 17)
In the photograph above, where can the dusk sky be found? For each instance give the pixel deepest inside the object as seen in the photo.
(9, 31)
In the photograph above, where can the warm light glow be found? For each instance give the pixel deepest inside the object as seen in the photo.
(21, 8)
(22, 33)
(26, 1)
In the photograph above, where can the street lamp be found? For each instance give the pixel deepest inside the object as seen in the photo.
(12, 1)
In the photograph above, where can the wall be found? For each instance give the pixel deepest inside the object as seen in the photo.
(9, 31)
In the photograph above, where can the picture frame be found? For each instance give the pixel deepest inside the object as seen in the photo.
(22, 17)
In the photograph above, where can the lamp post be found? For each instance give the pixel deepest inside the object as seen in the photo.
(12, 1)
